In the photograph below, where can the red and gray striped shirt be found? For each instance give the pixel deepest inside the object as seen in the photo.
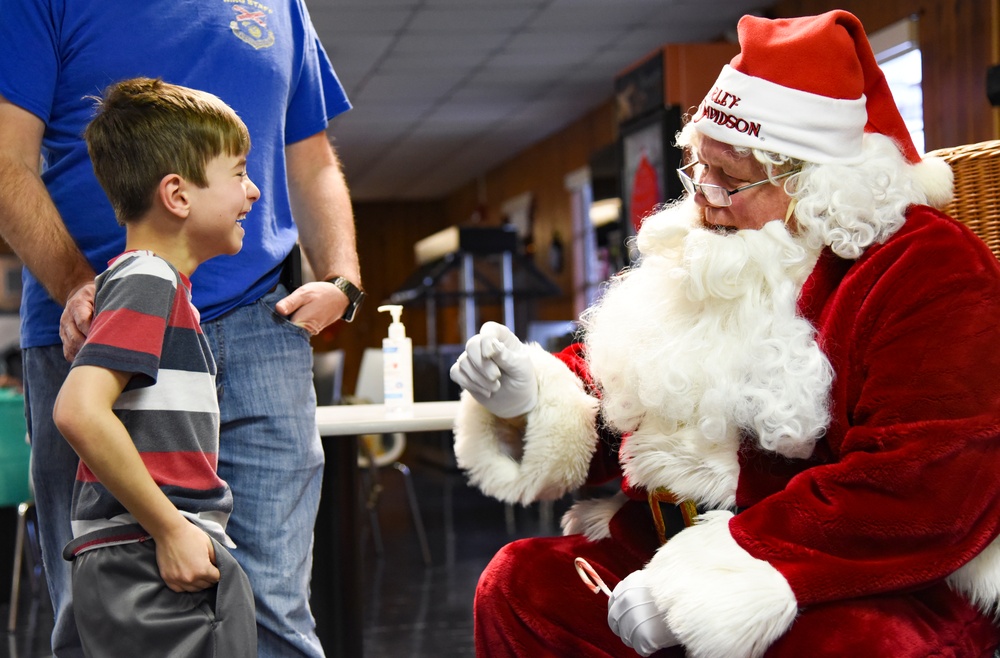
(170, 406)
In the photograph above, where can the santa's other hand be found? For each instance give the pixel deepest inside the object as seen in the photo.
(496, 370)
(634, 617)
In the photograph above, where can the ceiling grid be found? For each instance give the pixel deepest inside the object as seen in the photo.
(445, 90)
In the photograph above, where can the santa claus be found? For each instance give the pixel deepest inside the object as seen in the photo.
(796, 384)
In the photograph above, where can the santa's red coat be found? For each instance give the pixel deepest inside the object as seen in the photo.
(883, 543)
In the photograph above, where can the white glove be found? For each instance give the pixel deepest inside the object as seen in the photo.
(634, 617)
(496, 370)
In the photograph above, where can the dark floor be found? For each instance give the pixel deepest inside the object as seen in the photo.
(410, 609)
(414, 610)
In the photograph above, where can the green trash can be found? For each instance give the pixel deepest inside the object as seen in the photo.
(14, 450)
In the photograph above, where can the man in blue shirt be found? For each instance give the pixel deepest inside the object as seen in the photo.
(266, 62)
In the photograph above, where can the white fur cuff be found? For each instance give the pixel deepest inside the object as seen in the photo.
(720, 601)
(558, 444)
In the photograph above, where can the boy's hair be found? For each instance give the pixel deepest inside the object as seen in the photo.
(145, 129)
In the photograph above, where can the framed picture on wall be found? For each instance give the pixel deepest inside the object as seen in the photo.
(649, 160)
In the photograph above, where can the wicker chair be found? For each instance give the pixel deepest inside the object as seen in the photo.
(977, 188)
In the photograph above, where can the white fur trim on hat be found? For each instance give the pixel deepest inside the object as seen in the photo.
(756, 113)
(935, 178)
(551, 459)
(720, 601)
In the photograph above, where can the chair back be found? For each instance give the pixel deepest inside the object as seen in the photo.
(976, 202)
(369, 384)
(15, 454)
(328, 376)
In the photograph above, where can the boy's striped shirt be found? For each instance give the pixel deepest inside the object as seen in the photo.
(144, 324)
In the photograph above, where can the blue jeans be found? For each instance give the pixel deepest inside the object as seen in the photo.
(53, 471)
(269, 452)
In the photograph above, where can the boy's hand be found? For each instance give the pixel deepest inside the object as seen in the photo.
(186, 559)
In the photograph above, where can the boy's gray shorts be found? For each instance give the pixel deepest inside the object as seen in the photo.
(123, 607)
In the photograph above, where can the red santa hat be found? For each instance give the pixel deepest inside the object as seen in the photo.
(809, 88)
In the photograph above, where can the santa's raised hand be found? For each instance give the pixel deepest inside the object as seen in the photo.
(496, 370)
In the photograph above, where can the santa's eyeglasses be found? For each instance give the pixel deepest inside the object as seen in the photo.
(717, 195)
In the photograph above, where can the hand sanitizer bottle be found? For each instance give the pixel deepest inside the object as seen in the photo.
(397, 365)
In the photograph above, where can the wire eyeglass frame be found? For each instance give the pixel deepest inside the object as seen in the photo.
(716, 195)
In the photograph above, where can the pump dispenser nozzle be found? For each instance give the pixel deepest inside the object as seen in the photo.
(396, 329)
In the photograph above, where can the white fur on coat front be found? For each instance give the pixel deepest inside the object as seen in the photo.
(721, 601)
(555, 451)
(979, 580)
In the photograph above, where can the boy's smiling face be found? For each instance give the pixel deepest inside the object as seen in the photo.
(218, 210)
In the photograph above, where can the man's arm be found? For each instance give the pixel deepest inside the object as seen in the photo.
(323, 214)
(29, 221)
(83, 413)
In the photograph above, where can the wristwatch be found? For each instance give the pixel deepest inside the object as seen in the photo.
(355, 296)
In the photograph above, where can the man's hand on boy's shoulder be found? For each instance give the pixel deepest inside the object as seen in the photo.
(74, 325)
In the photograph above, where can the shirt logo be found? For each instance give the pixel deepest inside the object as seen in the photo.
(249, 24)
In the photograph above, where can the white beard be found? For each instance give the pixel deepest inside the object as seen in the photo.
(700, 345)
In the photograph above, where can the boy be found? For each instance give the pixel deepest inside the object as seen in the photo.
(151, 576)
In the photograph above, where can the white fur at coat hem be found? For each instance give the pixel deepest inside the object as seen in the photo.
(720, 601)
(979, 580)
(592, 518)
(559, 441)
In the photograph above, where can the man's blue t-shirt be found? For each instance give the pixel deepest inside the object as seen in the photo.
(262, 58)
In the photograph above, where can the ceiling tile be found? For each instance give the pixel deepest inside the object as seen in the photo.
(471, 19)
(400, 86)
(456, 44)
(387, 18)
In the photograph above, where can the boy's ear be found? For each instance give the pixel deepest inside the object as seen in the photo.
(172, 193)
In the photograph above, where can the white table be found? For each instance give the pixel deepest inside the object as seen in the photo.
(336, 579)
(354, 419)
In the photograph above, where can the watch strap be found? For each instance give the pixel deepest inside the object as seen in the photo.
(355, 296)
